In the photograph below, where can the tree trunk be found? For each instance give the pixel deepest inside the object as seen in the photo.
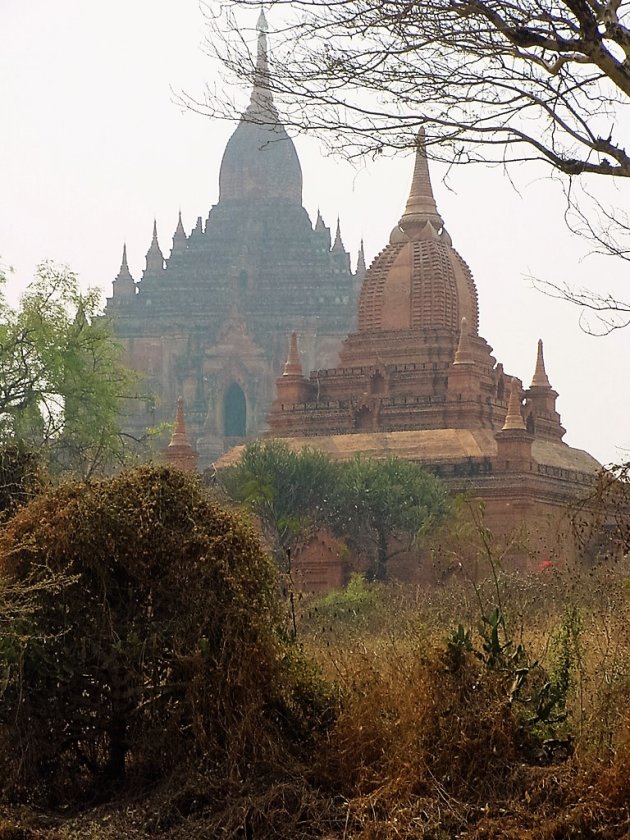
(379, 571)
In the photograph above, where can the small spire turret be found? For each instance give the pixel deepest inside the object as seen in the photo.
(319, 224)
(180, 240)
(514, 418)
(361, 267)
(179, 452)
(338, 243)
(124, 273)
(463, 354)
(540, 378)
(124, 284)
(293, 366)
(155, 257)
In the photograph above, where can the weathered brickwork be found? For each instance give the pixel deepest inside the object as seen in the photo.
(417, 380)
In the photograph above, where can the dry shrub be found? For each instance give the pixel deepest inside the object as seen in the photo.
(411, 723)
(161, 652)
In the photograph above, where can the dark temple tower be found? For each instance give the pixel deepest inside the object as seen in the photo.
(212, 321)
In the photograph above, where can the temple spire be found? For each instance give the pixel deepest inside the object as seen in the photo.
(179, 435)
(319, 224)
(361, 267)
(293, 366)
(514, 418)
(421, 207)
(338, 243)
(179, 452)
(540, 378)
(261, 101)
(155, 257)
(124, 273)
(180, 240)
(463, 354)
(124, 284)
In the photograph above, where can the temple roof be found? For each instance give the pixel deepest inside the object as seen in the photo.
(419, 281)
(430, 446)
(260, 161)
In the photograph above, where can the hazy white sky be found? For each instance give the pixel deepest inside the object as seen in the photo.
(92, 147)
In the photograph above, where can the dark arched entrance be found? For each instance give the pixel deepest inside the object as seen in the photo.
(234, 412)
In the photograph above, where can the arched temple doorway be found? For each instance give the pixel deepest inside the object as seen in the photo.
(234, 412)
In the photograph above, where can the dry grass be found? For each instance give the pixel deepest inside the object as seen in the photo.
(415, 745)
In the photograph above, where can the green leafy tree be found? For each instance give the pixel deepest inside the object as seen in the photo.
(62, 382)
(371, 503)
(291, 493)
(385, 507)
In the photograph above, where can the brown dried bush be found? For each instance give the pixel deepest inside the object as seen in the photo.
(161, 651)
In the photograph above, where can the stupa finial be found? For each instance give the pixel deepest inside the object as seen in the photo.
(540, 378)
(421, 207)
(361, 267)
(261, 101)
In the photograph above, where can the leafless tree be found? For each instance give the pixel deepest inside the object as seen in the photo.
(492, 80)
(495, 81)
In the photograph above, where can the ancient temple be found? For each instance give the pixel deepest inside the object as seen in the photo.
(417, 380)
(211, 320)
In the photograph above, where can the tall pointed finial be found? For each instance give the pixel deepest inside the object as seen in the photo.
(261, 99)
(361, 267)
(319, 224)
(155, 257)
(124, 273)
(124, 285)
(540, 378)
(463, 354)
(180, 240)
(338, 243)
(293, 366)
(514, 418)
(421, 207)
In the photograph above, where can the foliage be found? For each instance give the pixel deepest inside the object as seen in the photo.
(379, 502)
(289, 492)
(356, 606)
(61, 378)
(366, 501)
(158, 652)
(601, 518)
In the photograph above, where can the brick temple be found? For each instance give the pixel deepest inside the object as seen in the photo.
(417, 380)
(211, 321)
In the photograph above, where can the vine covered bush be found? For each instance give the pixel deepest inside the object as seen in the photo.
(161, 649)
